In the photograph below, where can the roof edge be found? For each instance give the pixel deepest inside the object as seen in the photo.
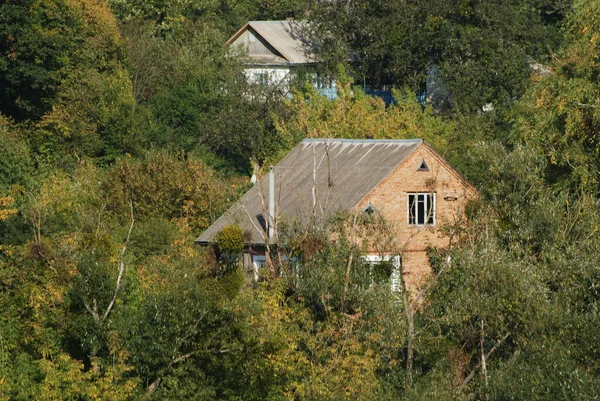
(237, 34)
(283, 53)
(249, 25)
(323, 140)
(450, 167)
(384, 179)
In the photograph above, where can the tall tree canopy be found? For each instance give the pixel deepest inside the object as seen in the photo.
(43, 42)
(559, 115)
(479, 50)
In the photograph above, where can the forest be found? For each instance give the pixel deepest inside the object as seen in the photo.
(127, 128)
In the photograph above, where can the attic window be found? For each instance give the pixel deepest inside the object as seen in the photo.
(369, 210)
(423, 166)
(421, 209)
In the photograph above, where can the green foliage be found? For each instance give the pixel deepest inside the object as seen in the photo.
(16, 164)
(153, 235)
(543, 370)
(91, 312)
(94, 115)
(230, 240)
(162, 184)
(358, 116)
(42, 41)
(559, 115)
(199, 97)
(167, 17)
(525, 272)
(230, 243)
(477, 50)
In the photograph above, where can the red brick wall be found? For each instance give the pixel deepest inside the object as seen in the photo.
(415, 265)
(390, 199)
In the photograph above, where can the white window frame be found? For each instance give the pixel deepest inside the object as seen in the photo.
(395, 276)
(426, 196)
(258, 262)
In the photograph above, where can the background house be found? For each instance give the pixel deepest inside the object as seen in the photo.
(406, 181)
(276, 50)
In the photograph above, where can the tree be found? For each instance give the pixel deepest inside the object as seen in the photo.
(42, 41)
(168, 17)
(541, 252)
(358, 116)
(162, 184)
(479, 49)
(94, 115)
(16, 165)
(559, 116)
(200, 99)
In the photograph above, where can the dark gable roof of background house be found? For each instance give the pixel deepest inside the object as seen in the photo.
(344, 171)
(284, 36)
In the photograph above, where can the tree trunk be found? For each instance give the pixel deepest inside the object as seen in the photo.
(410, 337)
(349, 265)
(410, 329)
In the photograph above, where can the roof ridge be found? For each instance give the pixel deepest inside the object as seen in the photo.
(324, 140)
(278, 20)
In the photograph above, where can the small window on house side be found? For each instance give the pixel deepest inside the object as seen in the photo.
(421, 209)
(423, 166)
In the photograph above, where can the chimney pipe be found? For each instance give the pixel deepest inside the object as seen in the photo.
(271, 220)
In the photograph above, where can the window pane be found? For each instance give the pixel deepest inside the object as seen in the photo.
(421, 213)
(411, 209)
(430, 209)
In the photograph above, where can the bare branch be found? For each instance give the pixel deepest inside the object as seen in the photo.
(268, 220)
(250, 218)
(349, 265)
(487, 356)
(121, 265)
(314, 187)
(154, 385)
(93, 311)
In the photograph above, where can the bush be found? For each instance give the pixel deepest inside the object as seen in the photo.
(162, 184)
(230, 244)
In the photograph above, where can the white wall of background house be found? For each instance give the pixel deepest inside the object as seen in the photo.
(269, 76)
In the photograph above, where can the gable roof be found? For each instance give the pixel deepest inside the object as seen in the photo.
(342, 171)
(284, 36)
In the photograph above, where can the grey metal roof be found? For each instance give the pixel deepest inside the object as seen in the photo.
(284, 36)
(343, 172)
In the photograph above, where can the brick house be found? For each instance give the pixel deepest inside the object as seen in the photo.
(406, 181)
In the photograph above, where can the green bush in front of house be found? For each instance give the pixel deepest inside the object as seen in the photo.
(230, 243)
